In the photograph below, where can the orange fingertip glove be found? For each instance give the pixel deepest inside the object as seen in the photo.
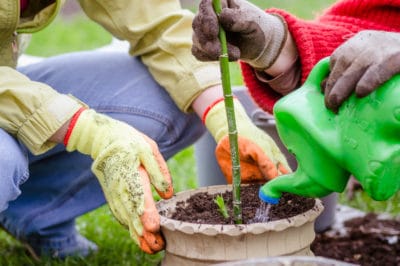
(260, 157)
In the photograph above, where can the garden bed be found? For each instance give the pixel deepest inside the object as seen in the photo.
(366, 240)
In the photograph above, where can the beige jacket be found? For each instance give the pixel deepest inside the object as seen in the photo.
(158, 31)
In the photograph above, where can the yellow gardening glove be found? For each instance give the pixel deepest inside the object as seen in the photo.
(260, 157)
(125, 163)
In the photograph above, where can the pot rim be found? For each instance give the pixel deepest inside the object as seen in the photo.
(231, 229)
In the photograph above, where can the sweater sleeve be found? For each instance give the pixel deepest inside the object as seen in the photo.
(318, 38)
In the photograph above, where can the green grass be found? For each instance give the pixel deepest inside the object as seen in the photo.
(363, 202)
(68, 36)
(302, 9)
(114, 242)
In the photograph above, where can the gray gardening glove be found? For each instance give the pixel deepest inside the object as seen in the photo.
(253, 36)
(361, 64)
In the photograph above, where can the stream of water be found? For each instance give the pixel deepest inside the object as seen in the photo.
(262, 213)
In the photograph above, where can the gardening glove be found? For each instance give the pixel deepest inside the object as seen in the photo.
(253, 36)
(260, 157)
(361, 65)
(125, 163)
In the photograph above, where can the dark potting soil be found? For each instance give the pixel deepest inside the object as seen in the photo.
(201, 208)
(368, 241)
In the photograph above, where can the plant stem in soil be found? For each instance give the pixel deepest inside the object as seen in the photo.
(230, 113)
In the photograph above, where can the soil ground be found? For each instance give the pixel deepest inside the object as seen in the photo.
(366, 240)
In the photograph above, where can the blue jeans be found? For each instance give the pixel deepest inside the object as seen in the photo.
(41, 209)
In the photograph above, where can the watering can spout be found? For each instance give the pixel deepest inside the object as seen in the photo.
(298, 183)
(362, 139)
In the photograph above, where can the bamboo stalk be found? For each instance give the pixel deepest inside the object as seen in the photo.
(230, 114)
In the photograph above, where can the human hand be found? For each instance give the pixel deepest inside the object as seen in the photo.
(260, 157)
(125, 163)
(360, 65)
(253, 35)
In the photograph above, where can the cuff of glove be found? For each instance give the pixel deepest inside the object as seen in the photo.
(72, 125)
(203, 118)
(273, 49)
(216, 121)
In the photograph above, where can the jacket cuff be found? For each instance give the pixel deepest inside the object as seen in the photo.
(202, 77)
(41, 125)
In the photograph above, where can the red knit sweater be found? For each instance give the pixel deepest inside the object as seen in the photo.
(24, 4)
(318, 38)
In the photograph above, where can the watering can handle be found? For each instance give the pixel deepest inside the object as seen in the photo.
(318, 73)
(329, 147)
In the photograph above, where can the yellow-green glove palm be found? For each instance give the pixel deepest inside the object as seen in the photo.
(125, 163)
(260, 157)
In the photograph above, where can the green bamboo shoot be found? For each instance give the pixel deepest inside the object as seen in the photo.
(230, 113)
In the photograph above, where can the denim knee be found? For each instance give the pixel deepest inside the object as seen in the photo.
(13, 169)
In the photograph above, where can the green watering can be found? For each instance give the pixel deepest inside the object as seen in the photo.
(363, 139)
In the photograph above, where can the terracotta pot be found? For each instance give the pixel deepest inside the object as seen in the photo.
(193, 244)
